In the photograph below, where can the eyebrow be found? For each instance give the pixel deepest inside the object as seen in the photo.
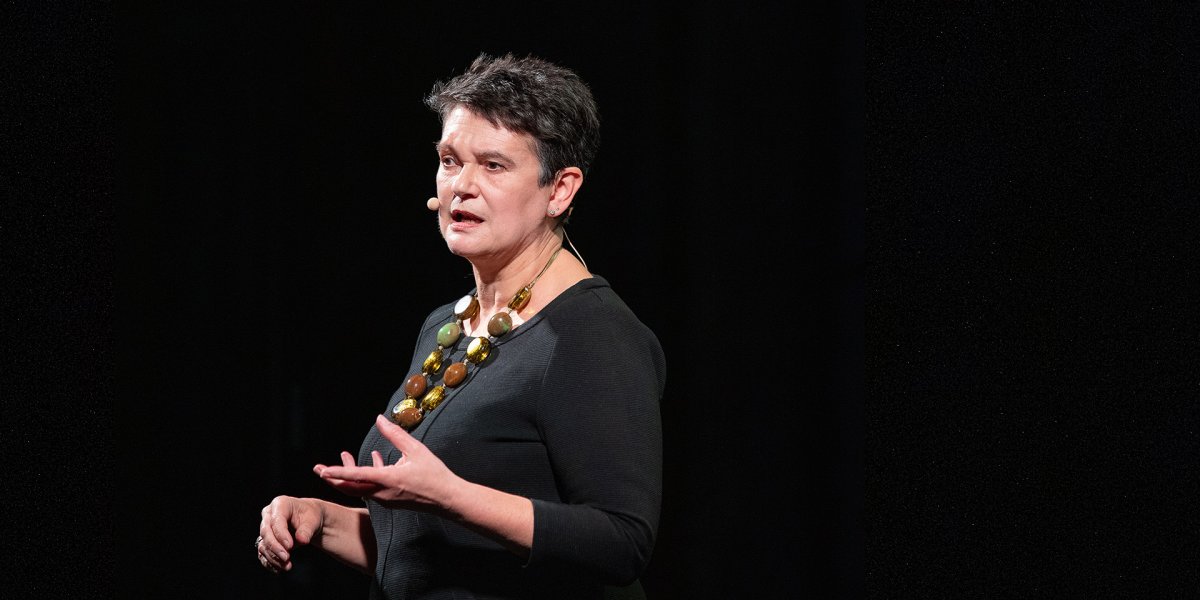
(486, 155)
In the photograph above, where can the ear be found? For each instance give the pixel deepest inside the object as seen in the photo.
(566, 183)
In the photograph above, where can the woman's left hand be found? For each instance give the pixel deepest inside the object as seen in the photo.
(418, 481)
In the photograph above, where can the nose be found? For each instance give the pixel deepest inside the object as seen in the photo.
(463, 184)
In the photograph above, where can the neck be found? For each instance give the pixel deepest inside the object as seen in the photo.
(496, 288)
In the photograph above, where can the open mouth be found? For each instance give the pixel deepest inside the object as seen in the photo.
(461, 216)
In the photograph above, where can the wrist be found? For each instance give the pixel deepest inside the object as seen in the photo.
(455, 498)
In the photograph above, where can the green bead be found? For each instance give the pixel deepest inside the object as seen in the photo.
(448, 334)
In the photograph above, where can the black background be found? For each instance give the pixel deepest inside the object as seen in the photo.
(276, 258)
(214, 252)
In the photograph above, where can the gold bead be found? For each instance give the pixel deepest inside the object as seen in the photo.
(520, 300)
(433, 398)
(433, 363)
(478, 350)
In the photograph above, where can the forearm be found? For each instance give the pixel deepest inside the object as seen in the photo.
(500, 516)
(346, 535)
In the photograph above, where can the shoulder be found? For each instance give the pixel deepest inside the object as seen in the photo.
(592, 306)
(599, 349)
(591, 317)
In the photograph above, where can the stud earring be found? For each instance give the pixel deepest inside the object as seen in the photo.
(553, 212)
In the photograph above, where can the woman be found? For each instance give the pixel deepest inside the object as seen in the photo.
(522, 456)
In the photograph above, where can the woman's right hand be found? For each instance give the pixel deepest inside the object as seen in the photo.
(286, 523)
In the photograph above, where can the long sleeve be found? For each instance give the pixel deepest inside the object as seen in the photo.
(599, 417)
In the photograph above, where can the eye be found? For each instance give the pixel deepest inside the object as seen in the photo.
(448, 161)
(494, 166)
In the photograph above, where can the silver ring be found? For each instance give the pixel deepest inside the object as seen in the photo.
(258, 542)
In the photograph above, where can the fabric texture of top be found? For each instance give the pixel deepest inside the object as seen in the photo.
(565, 411)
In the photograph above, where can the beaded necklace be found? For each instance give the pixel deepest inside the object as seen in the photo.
(408, 413)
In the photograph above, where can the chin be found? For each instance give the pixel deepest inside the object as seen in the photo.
(457, 246)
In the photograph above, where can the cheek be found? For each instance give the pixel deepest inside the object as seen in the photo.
(442, 224)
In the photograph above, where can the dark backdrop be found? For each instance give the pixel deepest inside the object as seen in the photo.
(276, 257)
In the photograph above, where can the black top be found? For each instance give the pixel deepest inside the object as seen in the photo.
(564, 411)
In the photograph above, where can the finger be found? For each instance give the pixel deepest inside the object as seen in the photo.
(347, 484)
(267, 559)
(270, 541)
(281, 538)
(353, 474)
(353, 488)
(350, 486)
(274, 567)
(396, 434)
(376, 458)
(270, 559)
(347, 459)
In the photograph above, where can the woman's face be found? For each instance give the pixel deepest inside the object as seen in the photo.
(487, 181)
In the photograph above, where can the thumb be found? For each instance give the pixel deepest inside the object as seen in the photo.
(306, 519)
(304, 535)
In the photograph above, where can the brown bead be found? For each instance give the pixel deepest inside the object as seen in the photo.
(499, 324)
(408, 418)
(415, 385)
(455, 374)
(466, 308)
